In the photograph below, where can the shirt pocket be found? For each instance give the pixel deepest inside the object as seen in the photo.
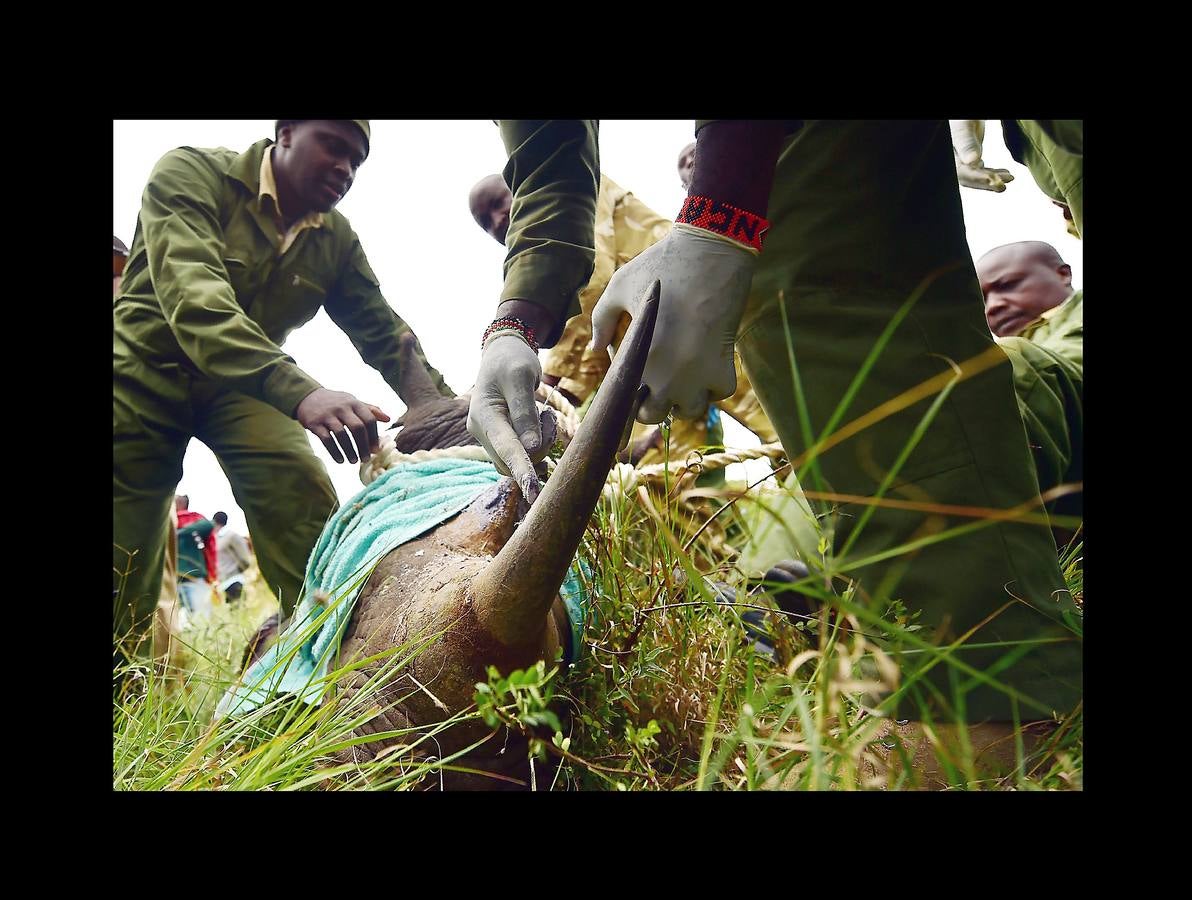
(244, 277)
(293, 299)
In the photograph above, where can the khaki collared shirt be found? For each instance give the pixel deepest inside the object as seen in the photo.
(272, 208)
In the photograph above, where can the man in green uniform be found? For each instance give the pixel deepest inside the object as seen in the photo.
(1051, 149)
(195, 536)
(1038, 320)
(232, 252)
(169, 614)
(866, 251)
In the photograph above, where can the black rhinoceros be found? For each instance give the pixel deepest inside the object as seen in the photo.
(484, 584)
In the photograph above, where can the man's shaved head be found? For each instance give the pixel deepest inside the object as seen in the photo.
(1026, 250)
(1021, 282)
(119, 258)
(490, 201)
(687, 165)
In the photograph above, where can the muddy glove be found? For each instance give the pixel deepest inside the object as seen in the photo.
(968, 135)
(705, 282)
(503, 415)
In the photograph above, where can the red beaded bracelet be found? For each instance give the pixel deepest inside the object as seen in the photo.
(723, 219)
(510, 323)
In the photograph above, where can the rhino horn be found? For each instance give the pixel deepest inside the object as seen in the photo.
(417, 388)
(513, 594)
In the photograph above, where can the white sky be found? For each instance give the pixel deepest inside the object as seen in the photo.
(443, 274)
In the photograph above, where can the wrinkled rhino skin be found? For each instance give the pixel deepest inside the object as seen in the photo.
(421, 589)
(478, 591)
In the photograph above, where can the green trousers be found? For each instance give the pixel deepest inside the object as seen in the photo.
(1053, 151)
(866, 215)
(282, 487)
(1050, 392)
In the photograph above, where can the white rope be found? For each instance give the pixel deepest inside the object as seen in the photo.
(389, 456)
(559, 404)
(710, 462)
(623, 479)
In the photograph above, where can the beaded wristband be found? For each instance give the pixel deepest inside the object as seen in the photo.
(510, 323)
(497, 332)
(722, 219)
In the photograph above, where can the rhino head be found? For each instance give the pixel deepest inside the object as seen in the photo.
(482, 588)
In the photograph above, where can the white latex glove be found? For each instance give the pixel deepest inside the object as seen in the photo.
(968, 135)
(503, 415)
(705, 282)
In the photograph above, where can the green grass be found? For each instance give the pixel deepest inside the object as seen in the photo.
(165, 736)
(668, 694)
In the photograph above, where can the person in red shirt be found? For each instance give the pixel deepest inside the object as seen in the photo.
(196, 558)
(210, 549)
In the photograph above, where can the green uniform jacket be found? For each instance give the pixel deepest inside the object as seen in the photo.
(554, 174)
(1053, 151)
(1048, 361)
(1061, 331)
(204, 286)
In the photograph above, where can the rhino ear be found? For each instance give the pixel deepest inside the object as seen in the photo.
(549, 423)
(416, 386)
